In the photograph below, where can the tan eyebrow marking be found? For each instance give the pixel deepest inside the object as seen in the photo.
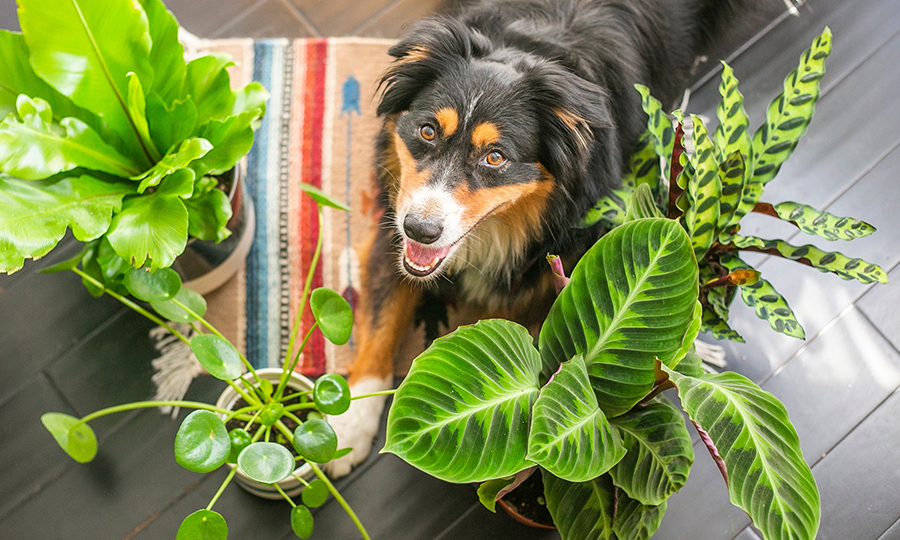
(485, 133)
(448, 119)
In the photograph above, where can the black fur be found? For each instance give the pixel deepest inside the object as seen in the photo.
(523, 61)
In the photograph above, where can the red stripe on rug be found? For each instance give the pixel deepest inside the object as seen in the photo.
(314, 105)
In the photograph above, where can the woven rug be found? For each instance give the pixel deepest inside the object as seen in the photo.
(319, 129)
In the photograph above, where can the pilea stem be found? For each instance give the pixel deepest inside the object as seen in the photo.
(300, 478)
(340, 499)
(285, 374)
(222, 487)
(285, 495)
(152, 404)
(306, 286)
(293, 417)
(374, 394)
(292, 396)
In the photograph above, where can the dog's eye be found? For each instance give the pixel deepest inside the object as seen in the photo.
(427, 132)
(495, 159)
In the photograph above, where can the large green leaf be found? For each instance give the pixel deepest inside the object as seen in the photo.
(17, 77)
(166, 53)
(790, 113)
(629, 300)
(463, 412)
(751, 437)
(208, 85)
(208, 215)
(170, 124)
(768, 303)
(137, 111)
(33, 148)
(635, 520)
(84, 49)
(570, 436)
(581, 510)
(35, 215)
(154, 226)
(231, 140)
(660, 452)
(816, 222)
(176, 160)
(704, 191)
(733, 133)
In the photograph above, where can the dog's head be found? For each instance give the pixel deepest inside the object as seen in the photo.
(488, 148)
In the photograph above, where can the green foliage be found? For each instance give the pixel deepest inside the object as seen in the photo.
(202, 443)
(217, 356)
(203, 525)
(749, 434)
(301, 521)
(315, 440)
(818, 223)
(333, 315)
(315, 494)
(332, 394)
(172, 311)
(266, 462)
(72, 435)
(99, 92)
(768, 303)
(157, 286)
(462, 413)
(570, 436)
(641, 309)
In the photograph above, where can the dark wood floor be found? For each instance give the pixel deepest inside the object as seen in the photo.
(62, 350)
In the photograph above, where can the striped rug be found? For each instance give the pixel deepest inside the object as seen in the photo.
(319, 129)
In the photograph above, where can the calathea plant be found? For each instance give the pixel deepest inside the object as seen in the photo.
(104, 129)
(257, 448)
(483, 404)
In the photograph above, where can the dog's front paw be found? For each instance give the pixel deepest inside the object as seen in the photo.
(357, 427)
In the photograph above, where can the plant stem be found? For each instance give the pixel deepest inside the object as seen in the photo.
(299, 406)
(373, 394)
(285, 374)
(306, 286)
(293, 417)
(150, 405)
(247, 398)
(128, 303)
(294, 395)
(300, 478)
(283, 494)
(340, 499)
(222, 488)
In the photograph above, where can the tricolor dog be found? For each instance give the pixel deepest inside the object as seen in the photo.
(504, 122)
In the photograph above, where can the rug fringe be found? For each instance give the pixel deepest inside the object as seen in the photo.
(176, 367)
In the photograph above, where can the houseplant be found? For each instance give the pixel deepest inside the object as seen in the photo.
(584, 407)
(254, 449)
(107, 131)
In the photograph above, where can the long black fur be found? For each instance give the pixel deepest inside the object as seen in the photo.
(579, 56)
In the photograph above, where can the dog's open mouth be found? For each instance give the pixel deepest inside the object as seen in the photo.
(422, 260)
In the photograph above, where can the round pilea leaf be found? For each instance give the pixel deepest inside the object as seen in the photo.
(240, 439)
(174, 313)
(315, 494)
(203, 525)
(265, 388)
(271, 413)
(333, 313)
(266, 462)
(79, 442)
(217, 356)
(158, 286)
(302, 521)
(315, 440)
(202, 443)
(332, 394)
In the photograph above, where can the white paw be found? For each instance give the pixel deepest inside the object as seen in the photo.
(357, 427)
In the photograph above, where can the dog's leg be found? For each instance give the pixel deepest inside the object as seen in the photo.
(385, 312)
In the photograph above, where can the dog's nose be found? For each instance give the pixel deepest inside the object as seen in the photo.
(425, 231)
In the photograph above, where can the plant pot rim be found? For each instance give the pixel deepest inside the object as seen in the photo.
(511, 510)
(289, 485)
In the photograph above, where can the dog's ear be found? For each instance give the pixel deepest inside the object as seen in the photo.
(431, 47)
(575, 119)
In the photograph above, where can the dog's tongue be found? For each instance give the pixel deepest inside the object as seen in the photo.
(423, 255)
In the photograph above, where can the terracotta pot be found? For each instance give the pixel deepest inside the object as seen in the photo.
(291, 485)
(205, 266)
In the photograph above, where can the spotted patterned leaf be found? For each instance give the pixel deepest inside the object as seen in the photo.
(570, 436)
(609, 210)
(629, 299)
(763, 298)
(718, 328)
(731, 176)
(705, 189)
(824, 261)
(645, 169)
(660, 452)
(660, 126)
(717, 298)
(750, 195)
(748, 432)
(818, 223)
(733, 133)
(789, 114)
(470, 396)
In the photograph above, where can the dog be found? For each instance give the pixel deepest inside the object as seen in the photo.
(504, 121)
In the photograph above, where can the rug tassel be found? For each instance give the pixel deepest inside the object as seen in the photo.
(176, 367)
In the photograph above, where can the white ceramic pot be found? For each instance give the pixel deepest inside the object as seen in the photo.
(291, 485)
